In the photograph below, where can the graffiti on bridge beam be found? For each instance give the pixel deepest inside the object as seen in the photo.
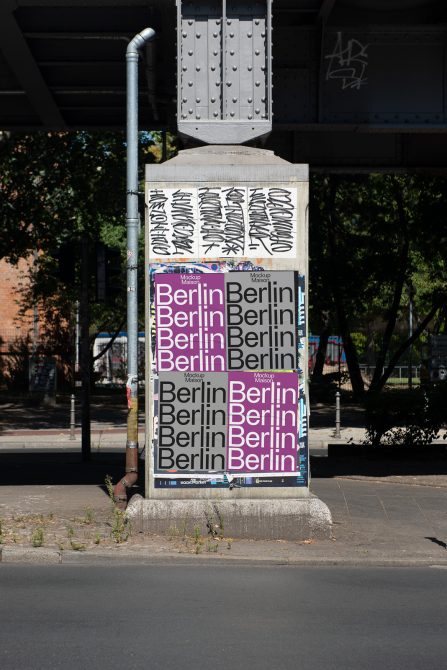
(348, 63)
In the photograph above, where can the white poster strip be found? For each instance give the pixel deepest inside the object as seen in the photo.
(222, 222)
(173, 222)
(272, 222)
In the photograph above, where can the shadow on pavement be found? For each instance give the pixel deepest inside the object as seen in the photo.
(57, 468)
(323, 467)
(29, 414)
(323, 416)
(435, 540)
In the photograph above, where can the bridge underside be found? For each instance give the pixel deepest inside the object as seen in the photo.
(358, 84)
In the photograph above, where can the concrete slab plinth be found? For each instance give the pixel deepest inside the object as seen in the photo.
(257, 519)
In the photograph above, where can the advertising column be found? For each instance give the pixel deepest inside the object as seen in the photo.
(226, 368)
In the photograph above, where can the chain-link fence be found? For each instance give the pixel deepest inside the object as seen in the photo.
(26, 365)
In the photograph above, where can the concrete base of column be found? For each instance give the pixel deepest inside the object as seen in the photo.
(257, 519)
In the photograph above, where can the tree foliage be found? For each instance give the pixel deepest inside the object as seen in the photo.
(373, 239)
(57, 189)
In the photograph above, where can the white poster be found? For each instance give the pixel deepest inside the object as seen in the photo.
(222, 222)
(173, 222)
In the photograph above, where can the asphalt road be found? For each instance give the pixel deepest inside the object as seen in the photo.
(239, 616)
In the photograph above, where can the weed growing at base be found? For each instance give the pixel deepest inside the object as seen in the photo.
(37, 538)
(77, 546)
(89, 516)
(212, 541)
(120, 530)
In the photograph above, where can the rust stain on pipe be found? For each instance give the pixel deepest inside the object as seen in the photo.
(131, 476)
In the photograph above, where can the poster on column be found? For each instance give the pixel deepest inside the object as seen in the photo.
(192, 422)
(231, 321)
(216, 329)
(237, 424)
(190, 333)
(263, 423)
(222, 222)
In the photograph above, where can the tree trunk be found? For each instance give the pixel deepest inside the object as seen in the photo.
(393, 313)
(355, 375)
(84, 317)
(403, 348)
(320, 358)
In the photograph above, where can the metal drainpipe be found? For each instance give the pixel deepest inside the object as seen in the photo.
(132, 225)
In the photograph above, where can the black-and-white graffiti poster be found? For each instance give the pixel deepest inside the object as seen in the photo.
(222, 222)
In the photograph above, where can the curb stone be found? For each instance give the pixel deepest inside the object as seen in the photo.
(47, 556)
(142, 558)
(35, 555)
(190, 560)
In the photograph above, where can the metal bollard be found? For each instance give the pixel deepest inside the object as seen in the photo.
(72, 417)
(337, 414)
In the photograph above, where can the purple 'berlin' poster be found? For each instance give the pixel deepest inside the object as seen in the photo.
(263, 422)
(190, 318)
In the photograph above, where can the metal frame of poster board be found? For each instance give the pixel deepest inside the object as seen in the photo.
(165, 181)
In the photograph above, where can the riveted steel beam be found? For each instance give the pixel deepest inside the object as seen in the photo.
(224, 70)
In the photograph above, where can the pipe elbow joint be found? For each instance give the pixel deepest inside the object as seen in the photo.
(138, 42)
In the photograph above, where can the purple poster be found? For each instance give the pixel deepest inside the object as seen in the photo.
(263, 422)
(190, 318)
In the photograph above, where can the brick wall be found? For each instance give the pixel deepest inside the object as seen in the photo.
(13, 280)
